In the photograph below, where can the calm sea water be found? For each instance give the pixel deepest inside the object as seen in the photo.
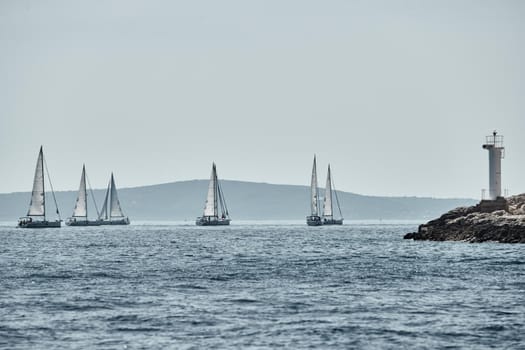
(256, 286)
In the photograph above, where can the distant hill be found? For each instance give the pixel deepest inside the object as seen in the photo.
(246, 201)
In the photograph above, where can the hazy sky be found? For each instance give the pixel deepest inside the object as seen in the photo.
(397, 95)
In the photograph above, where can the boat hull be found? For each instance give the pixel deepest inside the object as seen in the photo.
(314, 220)
(124, 221)
(83, 223)
(211, 221)
(39, 224)
(332, 221)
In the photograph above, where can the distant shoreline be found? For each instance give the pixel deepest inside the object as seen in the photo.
(184, 200)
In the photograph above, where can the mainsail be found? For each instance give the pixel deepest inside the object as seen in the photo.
(81, 204)
(210, 208)
(115, 209)
(328, 207)
(37, 204)
(314, 191)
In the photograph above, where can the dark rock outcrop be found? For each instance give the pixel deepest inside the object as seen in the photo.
(500, 220)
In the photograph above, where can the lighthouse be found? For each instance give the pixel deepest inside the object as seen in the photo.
(494, 144)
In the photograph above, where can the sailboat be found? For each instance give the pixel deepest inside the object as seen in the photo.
(328, 207)
(314, 219)
(80, 213)
(111, 213)
(214, 200)
(36, 215)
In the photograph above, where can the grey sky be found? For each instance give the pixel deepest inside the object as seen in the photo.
(397, 95)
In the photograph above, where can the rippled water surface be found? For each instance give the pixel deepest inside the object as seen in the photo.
(259, 286)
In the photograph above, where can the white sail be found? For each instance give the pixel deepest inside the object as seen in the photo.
(104, 212)
(210, 208)
(37, 204)
(81, 204)
(114, 210)
(327, 204)
(314, 191)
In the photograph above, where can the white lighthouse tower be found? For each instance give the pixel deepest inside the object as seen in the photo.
(494, 144)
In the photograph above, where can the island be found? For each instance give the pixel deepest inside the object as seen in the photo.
(500, 220)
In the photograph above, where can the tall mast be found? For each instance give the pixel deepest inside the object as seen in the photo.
(84, 189)
(314, 203)
(328, 205)
(330, 192)
(111, 185)
(215, 192)
(41, 157)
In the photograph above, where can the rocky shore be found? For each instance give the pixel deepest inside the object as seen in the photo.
(502, 220)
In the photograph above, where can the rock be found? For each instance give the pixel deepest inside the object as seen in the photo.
(410, 235)
(501, 220)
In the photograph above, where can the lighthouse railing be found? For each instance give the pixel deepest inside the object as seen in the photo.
(494, 140)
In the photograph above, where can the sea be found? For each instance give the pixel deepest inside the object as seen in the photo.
(256, 285)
